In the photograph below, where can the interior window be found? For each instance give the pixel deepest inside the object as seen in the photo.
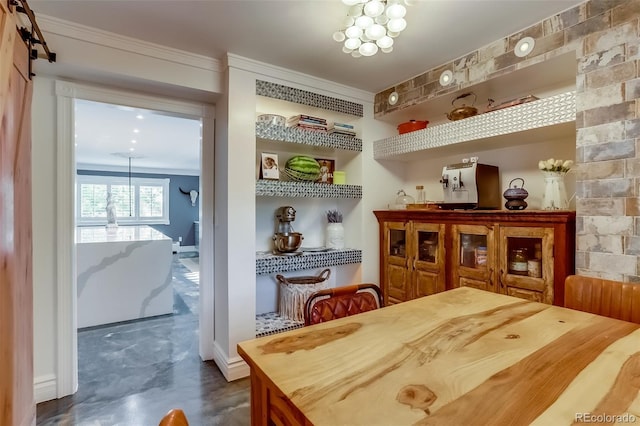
(144, 201)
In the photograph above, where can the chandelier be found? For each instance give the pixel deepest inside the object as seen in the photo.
(371, 25)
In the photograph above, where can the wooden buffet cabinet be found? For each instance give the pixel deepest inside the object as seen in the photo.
(526, 253)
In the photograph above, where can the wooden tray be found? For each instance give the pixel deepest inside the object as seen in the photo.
(427, 206)
(512, 102)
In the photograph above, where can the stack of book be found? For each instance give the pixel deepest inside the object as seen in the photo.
(341, 129)
(308, 122)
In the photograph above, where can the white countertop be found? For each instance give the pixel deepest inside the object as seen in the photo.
(102, 234)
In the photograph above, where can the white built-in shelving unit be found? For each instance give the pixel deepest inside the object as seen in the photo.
(519, 124)
(310, 197)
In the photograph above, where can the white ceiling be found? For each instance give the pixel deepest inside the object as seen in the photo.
(105, 136)
(296, 34)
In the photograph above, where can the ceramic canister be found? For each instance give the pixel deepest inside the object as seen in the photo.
(534, 268)
(339, 177)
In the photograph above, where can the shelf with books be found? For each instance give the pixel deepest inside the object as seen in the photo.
(297, 135)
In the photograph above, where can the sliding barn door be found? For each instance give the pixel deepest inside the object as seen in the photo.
(17, 406)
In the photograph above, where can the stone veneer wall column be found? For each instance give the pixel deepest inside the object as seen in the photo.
(605, 36)
(608, 207)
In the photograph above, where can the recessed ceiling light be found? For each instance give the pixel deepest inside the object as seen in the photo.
(136, 131)
(393, 98)
(132, 149)
(446, 78)
(133, 141)
(524, 47)
(139, 116)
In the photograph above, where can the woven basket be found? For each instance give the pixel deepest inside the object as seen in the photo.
(300, 177)
(295, 291)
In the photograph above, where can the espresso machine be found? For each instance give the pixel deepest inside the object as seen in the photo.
(471, 186)
(285, 240)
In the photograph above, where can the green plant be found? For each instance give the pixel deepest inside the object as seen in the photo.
(334, 216)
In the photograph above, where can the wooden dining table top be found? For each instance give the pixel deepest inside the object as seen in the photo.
(460, 357)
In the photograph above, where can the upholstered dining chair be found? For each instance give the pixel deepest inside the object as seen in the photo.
(608, 298)
(174, 417)
(332, 303)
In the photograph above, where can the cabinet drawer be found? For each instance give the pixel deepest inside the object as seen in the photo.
(427, 283)
(522, 293)
(480, 285)
(397, 282)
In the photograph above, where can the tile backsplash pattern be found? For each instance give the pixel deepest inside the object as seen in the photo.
(605, 37)
(544, 112)
(307, 137)
(304, 97)
(271, 264)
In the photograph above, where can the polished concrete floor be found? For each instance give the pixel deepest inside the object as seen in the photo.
(132, 373)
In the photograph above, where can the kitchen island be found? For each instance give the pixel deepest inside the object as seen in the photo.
(123, 273)
(460, 357)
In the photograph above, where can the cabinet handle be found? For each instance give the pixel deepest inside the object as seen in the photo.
(491, 277)
(414, 262)
(501, 283)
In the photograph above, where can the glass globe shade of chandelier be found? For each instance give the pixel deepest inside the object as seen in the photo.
(371, 25)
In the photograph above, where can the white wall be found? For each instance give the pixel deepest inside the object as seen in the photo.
(112, 61)
(44, 239)
(514, 162)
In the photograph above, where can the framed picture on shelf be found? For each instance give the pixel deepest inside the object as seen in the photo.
(269, 166)
(326, 170)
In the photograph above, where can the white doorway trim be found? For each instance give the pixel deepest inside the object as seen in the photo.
(66, 92)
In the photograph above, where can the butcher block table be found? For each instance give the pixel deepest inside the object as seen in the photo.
(460, 357)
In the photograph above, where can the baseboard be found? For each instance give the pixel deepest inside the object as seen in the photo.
(232, 369)
(177, 248)
(45, 388)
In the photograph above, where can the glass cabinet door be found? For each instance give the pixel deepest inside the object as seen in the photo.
(473, 250)
(397, 243)
(427, 259)
(526, 263)
(473, 256)
(396, 263)
(428, 243)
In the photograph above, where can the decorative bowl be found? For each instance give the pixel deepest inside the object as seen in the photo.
(272, 119)
(412, 126)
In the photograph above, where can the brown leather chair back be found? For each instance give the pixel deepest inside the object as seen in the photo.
(612, 299)
(175, 417)
(341, 302)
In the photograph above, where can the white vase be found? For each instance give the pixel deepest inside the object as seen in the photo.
(555, 194)
(335, 236)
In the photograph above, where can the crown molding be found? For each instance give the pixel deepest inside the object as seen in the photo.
(145, 170)
(63, 28)
(297, 79)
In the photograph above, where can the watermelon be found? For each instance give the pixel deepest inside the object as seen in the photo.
(305, 168)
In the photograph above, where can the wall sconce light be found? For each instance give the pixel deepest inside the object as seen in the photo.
(393, 98)
(524, 47)
(193, 194)
(446, 78)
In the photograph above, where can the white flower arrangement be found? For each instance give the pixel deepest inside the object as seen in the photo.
(553, 165)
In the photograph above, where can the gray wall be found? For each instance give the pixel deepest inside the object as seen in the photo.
(181, 213)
